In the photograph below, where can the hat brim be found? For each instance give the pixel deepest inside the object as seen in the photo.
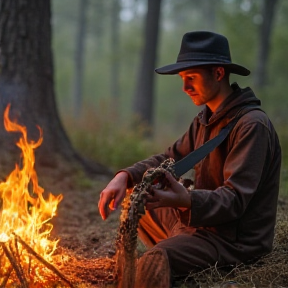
(175, 68)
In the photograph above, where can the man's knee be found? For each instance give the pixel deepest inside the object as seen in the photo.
(187, 253)
(153, 270)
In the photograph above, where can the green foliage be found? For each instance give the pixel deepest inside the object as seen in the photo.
(236, 19)
(82, 181)
(283, 137)
(107, 141)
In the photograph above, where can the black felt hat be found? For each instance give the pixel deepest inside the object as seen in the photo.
(203, 48)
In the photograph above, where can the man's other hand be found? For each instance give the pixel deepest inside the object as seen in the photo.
(176, 195)
(112, 196)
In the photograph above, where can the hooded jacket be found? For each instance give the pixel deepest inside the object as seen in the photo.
(234, 200)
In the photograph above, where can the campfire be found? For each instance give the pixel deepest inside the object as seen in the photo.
(26, 252)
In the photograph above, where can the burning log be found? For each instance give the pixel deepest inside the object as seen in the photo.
(24, 218)
(6, 277)
(15, 265)
(12, 254)
(42, 260)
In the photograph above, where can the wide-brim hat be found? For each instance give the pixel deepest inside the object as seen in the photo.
(203, 48)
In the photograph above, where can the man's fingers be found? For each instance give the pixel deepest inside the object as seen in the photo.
(112, 196)
(158, 193)
(102, 211)
(152, 205)
(103, 206)
(117, 200)
(171, 179)
(150, 198)
(112, 205)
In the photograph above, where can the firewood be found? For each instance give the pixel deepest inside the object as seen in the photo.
(42, 260)
(15, 265)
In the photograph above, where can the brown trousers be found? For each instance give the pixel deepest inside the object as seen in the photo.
(175, 248)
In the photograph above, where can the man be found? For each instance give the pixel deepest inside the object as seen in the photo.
(229, 216)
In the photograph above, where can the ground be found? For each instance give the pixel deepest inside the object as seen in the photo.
(86, 248)
(87, 243)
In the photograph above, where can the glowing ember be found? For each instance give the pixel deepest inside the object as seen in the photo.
(24, 211)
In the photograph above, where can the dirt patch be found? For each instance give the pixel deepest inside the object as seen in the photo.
(86, 248)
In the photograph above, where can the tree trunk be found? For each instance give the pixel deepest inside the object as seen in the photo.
(115, 44)
(144, 94)
(99, 26)
(79, 59)
(26, 81)
(268, 13)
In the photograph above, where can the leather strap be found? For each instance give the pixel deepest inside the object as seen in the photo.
(189, 161)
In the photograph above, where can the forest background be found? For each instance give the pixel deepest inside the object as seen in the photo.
(96, 80)
(98, 47)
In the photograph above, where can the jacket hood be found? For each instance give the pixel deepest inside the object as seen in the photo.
(232, 104)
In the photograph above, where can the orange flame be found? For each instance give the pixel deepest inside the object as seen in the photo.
(24, 210)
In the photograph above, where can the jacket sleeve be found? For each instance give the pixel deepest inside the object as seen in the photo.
(178, 150)
(243, 170)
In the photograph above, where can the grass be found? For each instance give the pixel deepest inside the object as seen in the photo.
(283, 137)
(109, 141)
(115, 144)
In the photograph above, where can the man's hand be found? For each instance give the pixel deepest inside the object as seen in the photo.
(176, 196)
(112, 196)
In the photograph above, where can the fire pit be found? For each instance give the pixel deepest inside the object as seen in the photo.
(29, 257)
(25, 248)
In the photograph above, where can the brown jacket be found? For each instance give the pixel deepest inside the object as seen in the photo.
(234, 202)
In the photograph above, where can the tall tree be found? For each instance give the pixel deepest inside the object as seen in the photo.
(268, 15)
(79, 59)
(143, 104)
(99, 25)
(115, 44)
(27, 82)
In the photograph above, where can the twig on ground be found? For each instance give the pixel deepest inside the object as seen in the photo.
(15, 265)
(42, 260)
(6, 277)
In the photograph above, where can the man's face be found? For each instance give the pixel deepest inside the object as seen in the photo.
(201, 85)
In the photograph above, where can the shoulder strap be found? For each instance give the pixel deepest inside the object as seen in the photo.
(189, 161)
(228, 128)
